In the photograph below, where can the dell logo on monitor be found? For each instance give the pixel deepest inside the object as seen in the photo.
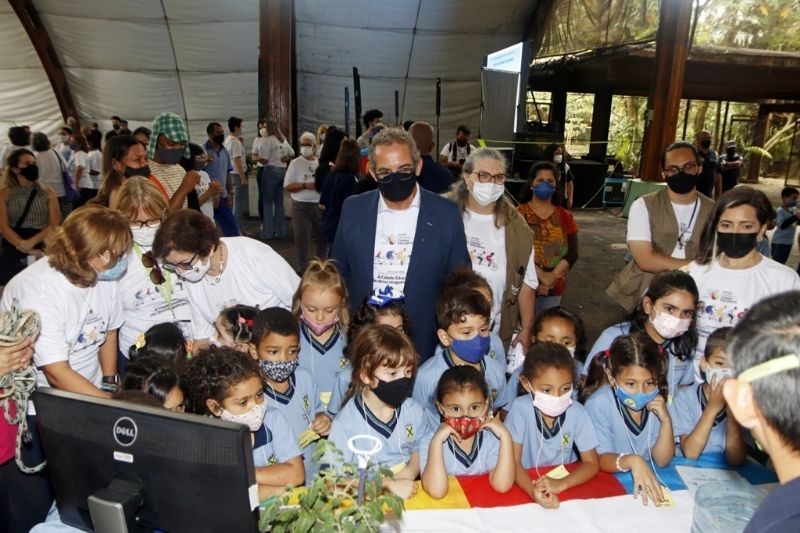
(125, 431)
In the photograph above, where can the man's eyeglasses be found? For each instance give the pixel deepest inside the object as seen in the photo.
(688, 168)
(149, 261)
(152, 223)
(485, 177)
(182, 266)
(404, 174)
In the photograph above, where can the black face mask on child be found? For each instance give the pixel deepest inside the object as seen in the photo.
(393, 393)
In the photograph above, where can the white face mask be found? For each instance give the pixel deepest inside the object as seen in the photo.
(718, 374)
(486, 193)
(552, 405)
(322, 137)
(263, 132)
(144, 236)
(670, 327)
(307, 151)
(557, 159)
(197, 272)
(64, 138)
(571, 350)
(253, 418)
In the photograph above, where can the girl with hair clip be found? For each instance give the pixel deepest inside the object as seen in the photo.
(629, 410)
(320, 303)
(378, 404)
(162, 341)
(666, 314)
(460, 446)
(548, 428)
(226, 384)
(373, 310)
(234, 327)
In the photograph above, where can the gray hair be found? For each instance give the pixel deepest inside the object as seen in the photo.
(390, 136)
(504, 211)
(483, 153)
(308, 136)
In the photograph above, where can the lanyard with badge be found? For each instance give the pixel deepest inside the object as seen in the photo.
(399, 466)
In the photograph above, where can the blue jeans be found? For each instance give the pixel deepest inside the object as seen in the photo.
(273, 224)
(224, 217)
(239, 199)
(259, 178)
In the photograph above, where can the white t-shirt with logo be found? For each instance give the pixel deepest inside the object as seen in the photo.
(394, 241)
(74, 320)
(639, 224)
(254, 275)
(486, 244)
(78, 159)
(207, 207)
(94, 163)
(145, 304)
(727, 294)
(301, 170)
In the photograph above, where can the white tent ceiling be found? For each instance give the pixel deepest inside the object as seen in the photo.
(199, 58)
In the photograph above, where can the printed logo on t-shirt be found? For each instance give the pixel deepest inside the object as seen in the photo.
(93, 330)
(409, 432)
(272, 460)
(394, 249)
(479, 255)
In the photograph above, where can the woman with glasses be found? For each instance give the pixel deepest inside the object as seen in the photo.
(555, 235)
(149, 295)
(499, 244)
(221, 272)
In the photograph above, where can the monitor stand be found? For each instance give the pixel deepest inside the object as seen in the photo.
(114, 508)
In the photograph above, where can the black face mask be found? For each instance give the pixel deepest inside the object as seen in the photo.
(393, 393)
(218, 139)
(736, 245)
(731, 152)
(170, 156)
(200, 165)
(706, 144)
(682, 183)
(461, 142)
(30, 173)
(143, 172)
(397, 186)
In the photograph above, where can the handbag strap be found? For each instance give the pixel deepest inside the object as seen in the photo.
(27, 209)
(60, 161)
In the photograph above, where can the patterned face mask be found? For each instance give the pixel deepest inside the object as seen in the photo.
(278, 371)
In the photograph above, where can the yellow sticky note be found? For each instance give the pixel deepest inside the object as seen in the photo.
(667, 501)
(558, 473)
(307, 437)
(325, 398)
(455, 498)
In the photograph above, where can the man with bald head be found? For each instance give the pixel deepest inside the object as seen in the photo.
(434, 176)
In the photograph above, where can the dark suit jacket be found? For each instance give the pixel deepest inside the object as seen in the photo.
(439, 248)
(434, 176)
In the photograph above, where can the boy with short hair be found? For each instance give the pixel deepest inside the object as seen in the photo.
(699, 413)
(463, 317)
(289, 389)
(785, 227)
(765, 398)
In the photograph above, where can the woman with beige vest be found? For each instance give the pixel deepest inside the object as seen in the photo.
(500, 244)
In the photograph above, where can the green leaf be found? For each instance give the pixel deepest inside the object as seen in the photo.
(279, 529)
(304, 522)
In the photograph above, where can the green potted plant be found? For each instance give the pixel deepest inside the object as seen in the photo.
(329, 503)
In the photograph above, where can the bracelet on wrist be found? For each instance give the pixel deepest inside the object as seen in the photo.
(619, 466)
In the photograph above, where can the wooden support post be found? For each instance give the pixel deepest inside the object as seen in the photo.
(601, 122)
(276, 65)
(558, 111)
(665, 96)
(40, 39)
(759, 136)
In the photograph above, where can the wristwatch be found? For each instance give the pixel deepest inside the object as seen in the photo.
(110, 384)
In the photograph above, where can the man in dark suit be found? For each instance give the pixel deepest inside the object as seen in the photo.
(401, 240)
(433, 176)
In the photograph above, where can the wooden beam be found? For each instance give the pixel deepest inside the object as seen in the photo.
(276, 64)
(665, 97)
(759, 137)
(29, 17)
(601, 123)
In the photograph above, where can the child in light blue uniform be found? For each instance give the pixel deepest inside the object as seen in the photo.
(700, 414)
(463, 317)
(630, 416)
(289, 389)
(467, 442)
(373, 310)
(377, 405)
(320, 303)
(547, 428)
(226, 383)
(559, 325)
(667, 314)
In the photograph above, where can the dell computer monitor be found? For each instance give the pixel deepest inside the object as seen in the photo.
(166, 471)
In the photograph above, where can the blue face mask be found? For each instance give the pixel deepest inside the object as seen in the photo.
(544, 190)
(170, 156)
(636, 401)
(791, 203)
(471, 350)
(115, 272)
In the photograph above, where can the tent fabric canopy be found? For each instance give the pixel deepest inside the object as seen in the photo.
(199, 58)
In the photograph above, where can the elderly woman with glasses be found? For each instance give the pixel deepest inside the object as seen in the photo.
(499, 243)
(149, 295)
(221, 272)
(555, 235)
